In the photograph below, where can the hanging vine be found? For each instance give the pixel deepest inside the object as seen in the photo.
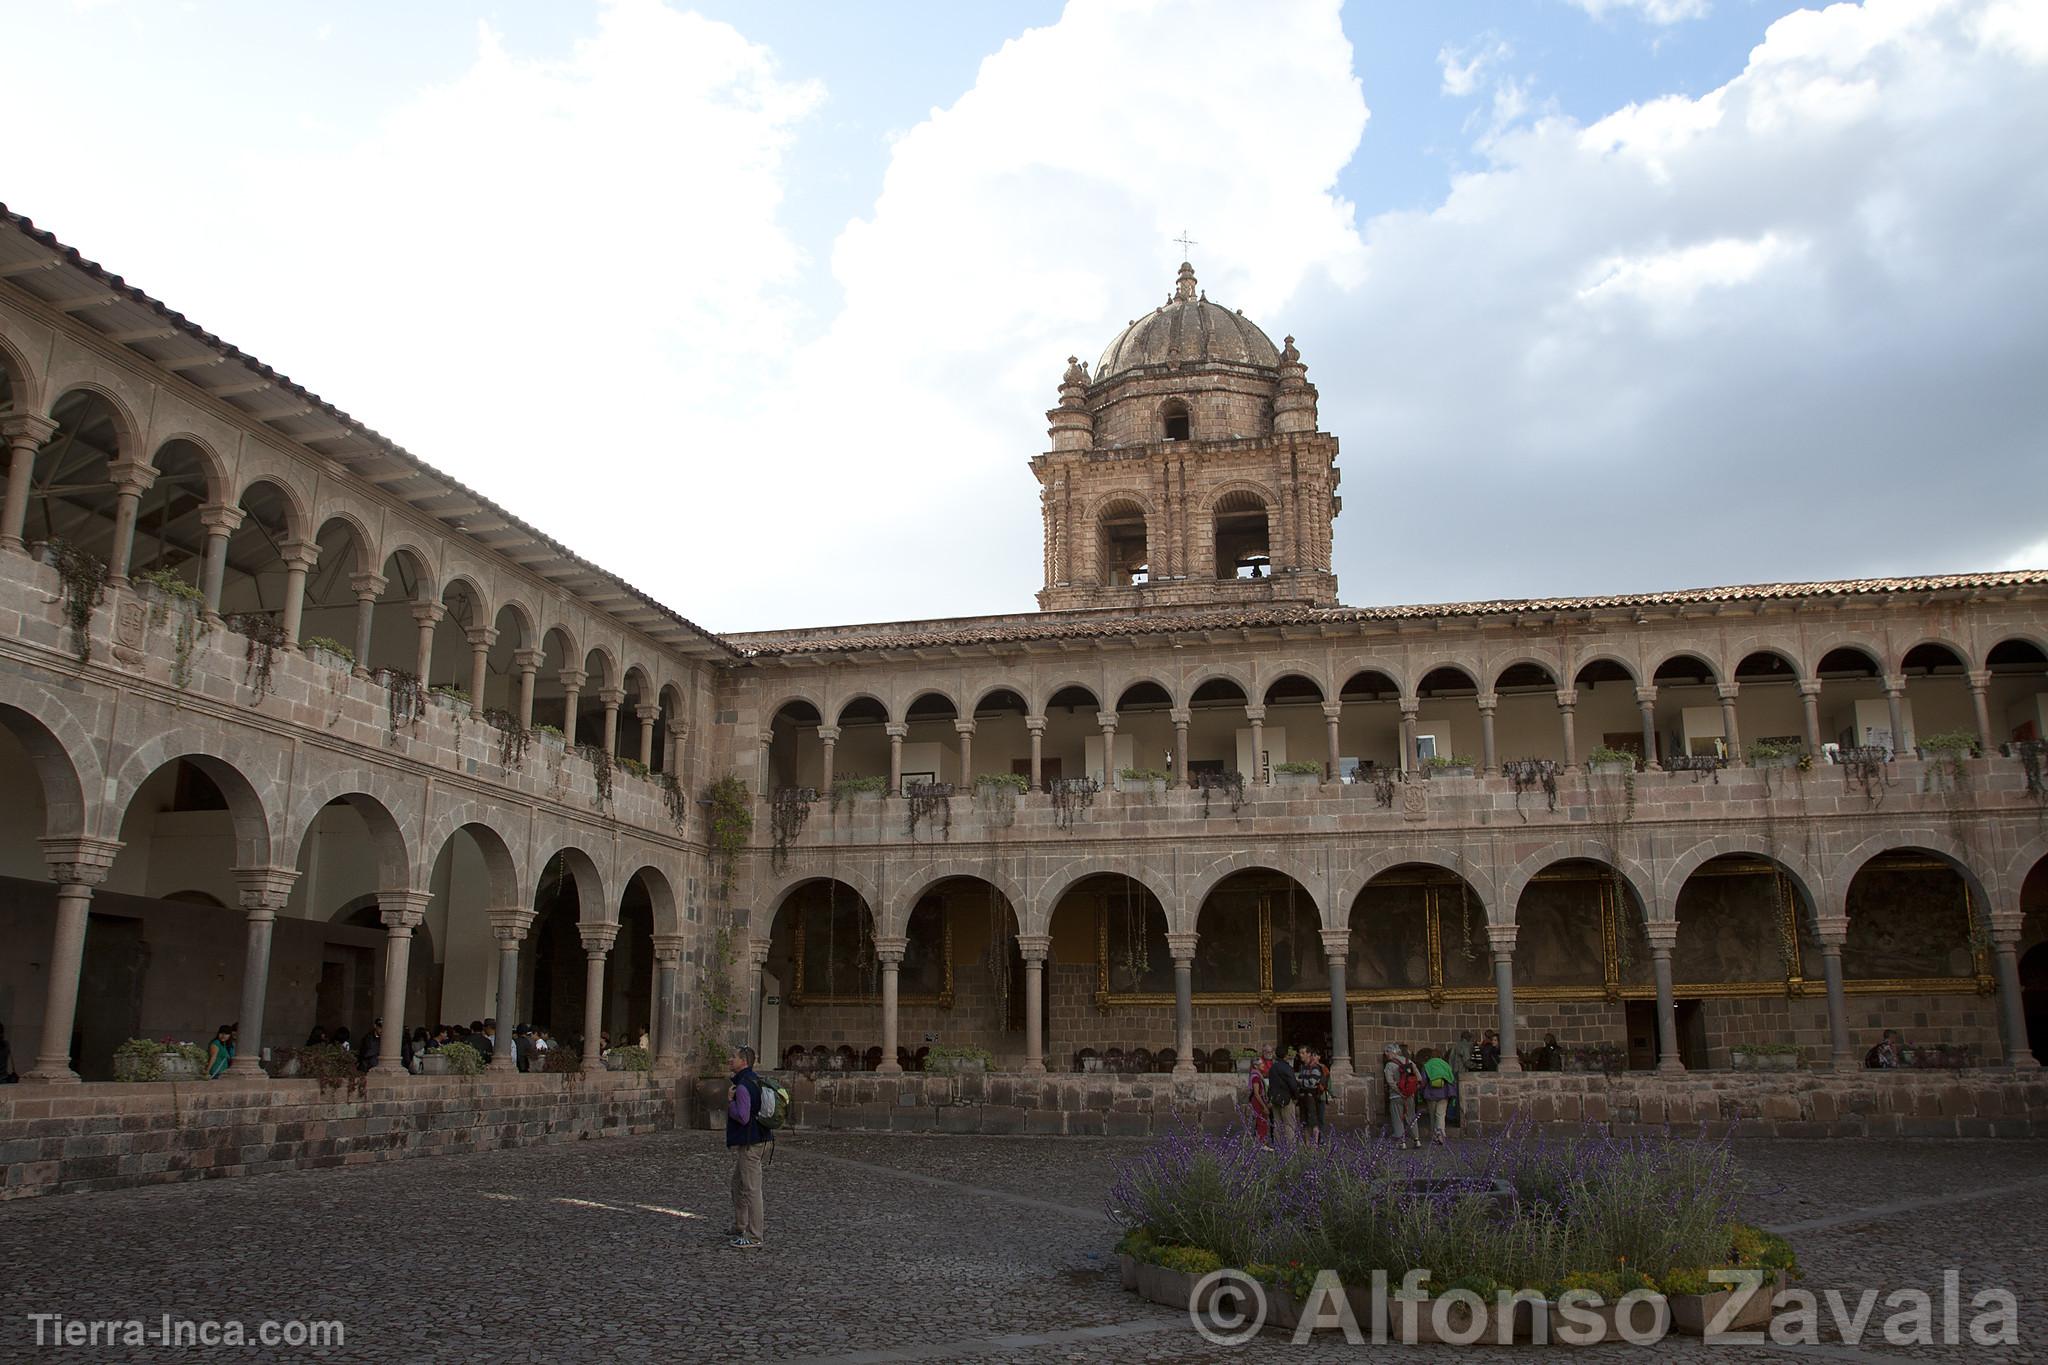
(1071, 798)
(404, 699)
(1866, 768)
(927, 800)
(732, 825)
(513, 739)
(600, 770)
(265, 637)
(81, 587)
(1137, 942)
(998, 955)
(1470, 946)
(672, 797)
(1614, 814)
(787, 814)
(1527, 774)
(1383, 787)
(715, 997)
(2029, 753)
(1231, 783)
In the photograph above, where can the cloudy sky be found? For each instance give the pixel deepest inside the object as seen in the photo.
(762, 306)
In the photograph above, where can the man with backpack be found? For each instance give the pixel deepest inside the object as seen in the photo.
(1403, 1082)
(1283, 1091)
(1315, 1087)
(749, 1128)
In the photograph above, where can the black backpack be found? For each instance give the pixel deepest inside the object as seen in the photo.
(1282, 1086)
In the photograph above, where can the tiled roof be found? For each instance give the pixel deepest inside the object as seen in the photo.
(1053, 626)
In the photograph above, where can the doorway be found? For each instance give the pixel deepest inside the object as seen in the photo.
(1691, 1019)
(1306, 1028)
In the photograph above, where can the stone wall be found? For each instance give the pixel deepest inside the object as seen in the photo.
(95, 1137)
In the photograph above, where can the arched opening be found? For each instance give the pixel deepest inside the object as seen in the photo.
(254, 584)
(1447, 720)
(550, 693)
(636, 732)
(1243, 547)
(1607, 715)
(1582, 948)
(1219, 732)
(553, 964)
(473, 875)
(796, 757)
(1937, 700)
(329, 619)
(1853, 711)
(44, 798)
(1002, 741)
(1072, 748)
(962, 978)
(931, 743)
(1745, 935)
(1109, 980)
(629, 970)
(453, 657)
(351, 850)
(71, 484)
(1419, 969)
(598, 678)
(512, 636)
(1259, 935)
(394, 618)
(822, 968)
(2033, 947)
(1369, 731)
(863, 748)
(1121, 545)
(1687, 710)
(1144, 723)
(667, 732)
(2017, 697)
(1916, 954)
(169, 536)
(1174, 420)
(1768, 710)
(1295, 730)
(1525, 721)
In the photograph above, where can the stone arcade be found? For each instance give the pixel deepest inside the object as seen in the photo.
(344, 739)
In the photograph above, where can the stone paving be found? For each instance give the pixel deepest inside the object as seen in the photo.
(881, 1248)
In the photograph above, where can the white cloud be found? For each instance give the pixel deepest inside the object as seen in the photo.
(1463, 67)
(1650, 11)
(2034, 556)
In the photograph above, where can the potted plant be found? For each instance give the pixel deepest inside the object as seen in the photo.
(328, 653)
(147, 1059)
(1448, 765)
(1246, 1057)
(858, 791)
(1739, 1056)
(966, 1057)
(1001, 786)
(1767, 753)
(450, 697)
(1606, 762)
(631, 1057)
(1145, 781)
(635, 767)
(550, 736)
(1776, 1056)
(1297, 774)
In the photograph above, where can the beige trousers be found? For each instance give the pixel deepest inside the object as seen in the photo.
(747, 1208)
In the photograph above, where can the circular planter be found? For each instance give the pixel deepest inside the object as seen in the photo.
(178, 1068)
(1297, 779)
(434, 1064)
(1617, 768)
(1459, 770)
(1141, 786)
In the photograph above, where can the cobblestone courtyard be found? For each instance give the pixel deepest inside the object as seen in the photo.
(880, 1248)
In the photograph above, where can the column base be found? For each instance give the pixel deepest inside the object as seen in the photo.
(1509, 1066)
(1341, 1069)
(503, 1066)
(248, 1068)
(1034, 1068)
(592, 1066)
(889, 1068)
(1184, 1069)
(387, 1071)
(1670, 1066)
(52, 1077)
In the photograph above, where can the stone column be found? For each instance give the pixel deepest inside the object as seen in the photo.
(612, 698)
(1036, 726)
(1895, 705)
(132, 479)
(77, 866)
(1258, 776)
(889, 954)
(2012, 1012)
(25, 433)
(670, 1054)
(1501, 937)
(1833, 932)
(426, 615)
(508, 926)
(597, 945)
(264, 891)
(1182, 946)
(1663, 935)
(1567, 702)
(1180, 716)
(1489, 755)
(1809, 701)
(647, 715)
(220, 522)
(1035, 948)
(1333, 711)
(1646, 701)
(828, 740)
(480, 641)
(299, 558)
(402, 912)
(1107, 721)
(367, 587)
(1980, 685)
(965, 729)
(896, 730)
(572, 680)
(764, 763)
(757, 961)
(528, 662)
(1409, 761)
(1730, 736)
(1336, 948)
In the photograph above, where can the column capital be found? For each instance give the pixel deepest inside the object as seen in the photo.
(1410, 707)
(265, 889)
(757, 952)
(132, 476)
(299, 554)
(1728, 691)
(1646, 696)
(510, 923)
(572, 677)
(481, 636)
(889, 949)
(1831, 930)
(1809, 687)
(598, 937)
(403, 908)
(1336, 944)
(80, 861)
(1894, 683)
(1105, 720)
(1182, 945)
(370, 585)
(1979, 679)
(1487, 701)
(1255, 712)
(1035, 724)
(1333, 710)
(1662, 933)
(668, 949)
(1034, 947)
(963, 727)
(27, 430)
(428, 613)
(529, 660)
(649, 712)
(612, 698)
(828, 734)
(1501, 937)
(1567, 698)
(221, 518)
(2004, 927)
(896, 729)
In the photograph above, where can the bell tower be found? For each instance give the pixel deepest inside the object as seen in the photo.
(1188, 470)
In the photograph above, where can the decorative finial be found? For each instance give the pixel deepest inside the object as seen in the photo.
(1184, 288)
(1288, 355)
(1077, 373)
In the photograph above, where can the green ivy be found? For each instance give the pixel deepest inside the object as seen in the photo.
(463, 1060)
(167, 582)
(1303, 769)
(332, 646)
(1143, 775)
(732, 825)
(1016, 782)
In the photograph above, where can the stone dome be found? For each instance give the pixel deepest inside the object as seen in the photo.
(1190, 330)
